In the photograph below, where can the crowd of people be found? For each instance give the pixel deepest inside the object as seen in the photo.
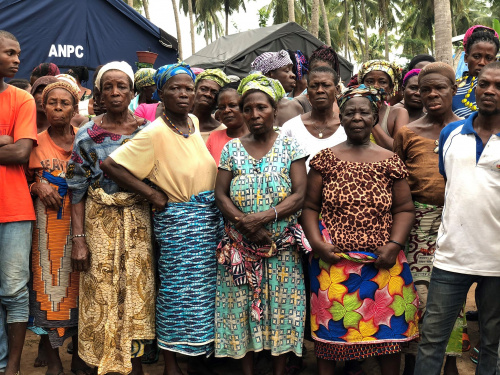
(184, 211)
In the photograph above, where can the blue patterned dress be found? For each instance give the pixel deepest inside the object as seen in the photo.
(257, 185)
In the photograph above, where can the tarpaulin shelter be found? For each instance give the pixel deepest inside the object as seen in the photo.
(82, 32)
(234, 53)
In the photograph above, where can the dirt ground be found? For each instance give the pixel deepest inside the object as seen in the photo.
(230, 367)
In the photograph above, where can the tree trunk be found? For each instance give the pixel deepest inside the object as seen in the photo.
(432, 44)
(291, 10)
(178, 28)
(346, 18)
(326, 27)
(442, 26)
(130, 3)
(365, 28)
(386, 28)
(191, 25)
(227, 21)
(145, 5)
(453, 26)
(315, 18)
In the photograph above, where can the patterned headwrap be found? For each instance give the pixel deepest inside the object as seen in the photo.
(65, 82)
(144, 77)
(374, 95)
(122, 66)
(197, 71)
(42, 81)
(164, 73)
(392, 70)
(46, 69)
(440, 68)
(301, 65)
(411, 73)
(258, 81)
(471, 30)
(216, 75)
(269, 61)
(326, 53)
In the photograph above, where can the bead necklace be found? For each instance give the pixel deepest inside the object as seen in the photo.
(176, 128)
(465, 100)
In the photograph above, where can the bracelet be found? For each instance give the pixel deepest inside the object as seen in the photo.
(31, 187)
(275, 213)
(78, 235)
(397, 243)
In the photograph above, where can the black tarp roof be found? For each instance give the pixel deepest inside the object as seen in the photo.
(234, 53)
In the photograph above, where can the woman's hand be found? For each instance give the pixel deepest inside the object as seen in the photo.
(327, 252)
(248, 225)
(159, 200)
(80, 256)
(387, 255)
(48, 195)
(261, 237)
(6, 140)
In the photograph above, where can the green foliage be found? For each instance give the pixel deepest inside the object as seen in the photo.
(264, 14)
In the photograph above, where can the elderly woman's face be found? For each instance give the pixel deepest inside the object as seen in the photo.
(116, 91)
(229, 111)
(437, 92)
(411, 94)
(258, 113)
(59, 108)
(321, 90)
(177, 94)
(206, 93)
(379, 79)
(358, 119)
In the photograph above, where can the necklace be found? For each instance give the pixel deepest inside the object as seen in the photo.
(320, 131)
(176, 128)
(465, 100)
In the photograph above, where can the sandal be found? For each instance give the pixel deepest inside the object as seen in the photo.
(465, 342)
(474, 356)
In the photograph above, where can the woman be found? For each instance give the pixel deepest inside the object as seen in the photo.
(207, 86)
(42, 123)
(320, 128)
(260, 300)
(417, 145)
(81, 74)
(230, 115)
(481, 46)
(111, 237)
(384, 75)
(363, 302)
(145, 87)
(151, 111)
(54, 289)
(187, 223)
(411, 95)
(419, 61)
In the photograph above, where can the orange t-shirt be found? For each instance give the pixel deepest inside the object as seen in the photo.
(18, 120)
(216, 142)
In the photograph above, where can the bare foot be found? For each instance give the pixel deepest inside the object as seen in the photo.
(41, 359)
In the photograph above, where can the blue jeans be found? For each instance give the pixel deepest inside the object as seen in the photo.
(447, 294)
(15, 249)
(4, 341)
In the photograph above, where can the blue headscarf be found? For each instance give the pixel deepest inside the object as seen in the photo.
(166, 72)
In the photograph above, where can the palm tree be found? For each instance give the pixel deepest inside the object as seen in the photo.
(291, 10)
(178, 28)
(326, 27)
(189, 8)
(230, 6)
(442, 25)
(130, 3)
(315, 18)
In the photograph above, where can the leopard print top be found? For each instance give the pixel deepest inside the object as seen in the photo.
(357, 199)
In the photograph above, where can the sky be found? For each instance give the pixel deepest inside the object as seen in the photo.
(162, 15)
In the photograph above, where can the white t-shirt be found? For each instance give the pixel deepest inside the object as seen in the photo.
(310, 144)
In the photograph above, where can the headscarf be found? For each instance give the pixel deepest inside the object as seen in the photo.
(42, 81)
(269, 61)
(353, 81)
(440, 68)
(258, 81)
(65, 82)
(46, 69)
(164, 73)
(374, 95)
(471, 30)
(392, 70)
(216, 75)
(197, 71)
(326, 53)
(411, 73)
(301, 65)
(122, 66)
(144, 77)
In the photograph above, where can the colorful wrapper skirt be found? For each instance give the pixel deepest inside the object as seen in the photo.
(188, 234)
(420, 249)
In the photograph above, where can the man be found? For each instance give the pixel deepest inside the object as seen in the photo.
(468, 246)
(279, 66)
(17, 137)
